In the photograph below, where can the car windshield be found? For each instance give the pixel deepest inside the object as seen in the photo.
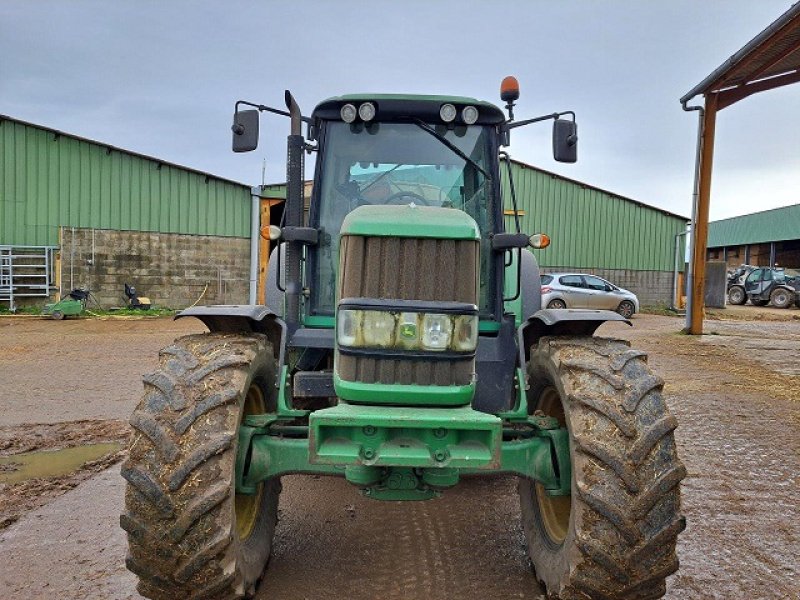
(400, 163)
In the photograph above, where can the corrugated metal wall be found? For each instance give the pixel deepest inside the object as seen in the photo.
(48, 180)
(590, 228)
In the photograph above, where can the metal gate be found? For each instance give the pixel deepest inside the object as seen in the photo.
(26, 272)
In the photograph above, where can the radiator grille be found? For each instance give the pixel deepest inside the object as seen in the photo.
(393, 268)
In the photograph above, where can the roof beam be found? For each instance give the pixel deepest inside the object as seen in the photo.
(769, 64)
(733, 95)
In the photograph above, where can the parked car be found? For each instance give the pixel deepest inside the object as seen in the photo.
(577, 290)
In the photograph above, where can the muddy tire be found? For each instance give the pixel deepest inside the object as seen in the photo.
(737, 295)
(614, 538)
(781, 298)
(189, 534)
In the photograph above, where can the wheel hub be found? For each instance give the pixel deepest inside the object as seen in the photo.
(246, 505)
(554, 510)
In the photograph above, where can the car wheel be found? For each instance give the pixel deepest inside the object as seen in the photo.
(626, 309)
(556, 304)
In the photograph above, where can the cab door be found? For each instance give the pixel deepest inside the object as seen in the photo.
(757, 282)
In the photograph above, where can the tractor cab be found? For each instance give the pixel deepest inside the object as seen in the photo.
(420, 151)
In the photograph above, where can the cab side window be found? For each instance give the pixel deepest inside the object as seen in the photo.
(754, 276)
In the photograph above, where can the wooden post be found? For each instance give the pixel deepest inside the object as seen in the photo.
(701, 226)
(263, 252)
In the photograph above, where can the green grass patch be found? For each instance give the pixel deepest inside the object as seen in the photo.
(659, 309)
(156, 311)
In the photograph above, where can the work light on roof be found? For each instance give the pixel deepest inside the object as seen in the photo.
(348, 113)
(366, 111)
(448, 113)
(469, 115)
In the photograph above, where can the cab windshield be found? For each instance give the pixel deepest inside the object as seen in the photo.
(400, 163)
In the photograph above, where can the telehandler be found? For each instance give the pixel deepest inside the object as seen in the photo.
(403, 348)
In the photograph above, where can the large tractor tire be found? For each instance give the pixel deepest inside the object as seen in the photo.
(737, 295)
(190, 535)
(781, 297)
(614, 538)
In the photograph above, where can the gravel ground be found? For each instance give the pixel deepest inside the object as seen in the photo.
(737, 404)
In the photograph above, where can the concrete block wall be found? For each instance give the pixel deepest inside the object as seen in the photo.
(653, 288)
(171, 269)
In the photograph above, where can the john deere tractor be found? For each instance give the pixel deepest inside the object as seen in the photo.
(403, 348)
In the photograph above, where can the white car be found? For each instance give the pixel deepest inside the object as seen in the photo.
(578, 290)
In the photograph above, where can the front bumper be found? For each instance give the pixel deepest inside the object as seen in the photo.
(403, 453)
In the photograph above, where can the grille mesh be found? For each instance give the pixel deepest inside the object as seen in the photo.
(393, 268)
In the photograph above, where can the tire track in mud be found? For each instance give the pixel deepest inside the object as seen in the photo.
(331, 542)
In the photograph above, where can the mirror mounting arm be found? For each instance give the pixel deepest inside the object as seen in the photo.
(511, 125)
(263, 108)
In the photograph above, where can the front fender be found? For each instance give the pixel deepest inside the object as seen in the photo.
(242, 318)
(561, 321)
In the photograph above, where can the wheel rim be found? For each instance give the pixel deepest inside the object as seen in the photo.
(247, 505)
(626, 309)
(557, 304)
(780, 298)
(554, 511)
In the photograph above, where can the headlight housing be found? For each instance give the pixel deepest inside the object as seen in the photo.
(403, 328)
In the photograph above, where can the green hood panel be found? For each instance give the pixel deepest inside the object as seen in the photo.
(411, 221)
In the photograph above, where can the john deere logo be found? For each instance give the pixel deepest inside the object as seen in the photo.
(408, 330)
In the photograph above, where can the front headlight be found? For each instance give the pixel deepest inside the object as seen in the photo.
(465, 336)
(436, 331)
(378, 329)
(348, 326)
(406, 330)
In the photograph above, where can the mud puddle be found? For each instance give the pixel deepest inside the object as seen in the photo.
(40, 462)
(51, 463)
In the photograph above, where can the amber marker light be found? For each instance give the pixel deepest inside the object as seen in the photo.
(539, 241)
(509, 89)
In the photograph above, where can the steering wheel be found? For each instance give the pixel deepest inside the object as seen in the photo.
(422, 199)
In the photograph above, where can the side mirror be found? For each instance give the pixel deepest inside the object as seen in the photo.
(565, 140)
(245, 130)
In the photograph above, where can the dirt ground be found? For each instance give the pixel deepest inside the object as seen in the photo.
(735, 391)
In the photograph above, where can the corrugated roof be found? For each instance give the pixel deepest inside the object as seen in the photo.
(592, 187)
(774, 225)
(109, 148)
(772, 54)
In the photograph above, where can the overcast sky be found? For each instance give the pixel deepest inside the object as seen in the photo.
(161, 78)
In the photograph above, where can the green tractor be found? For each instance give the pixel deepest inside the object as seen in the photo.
(403, 348)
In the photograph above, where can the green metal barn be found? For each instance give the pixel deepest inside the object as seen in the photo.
(76, 212)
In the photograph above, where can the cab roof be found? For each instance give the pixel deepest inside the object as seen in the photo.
(391, 106)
